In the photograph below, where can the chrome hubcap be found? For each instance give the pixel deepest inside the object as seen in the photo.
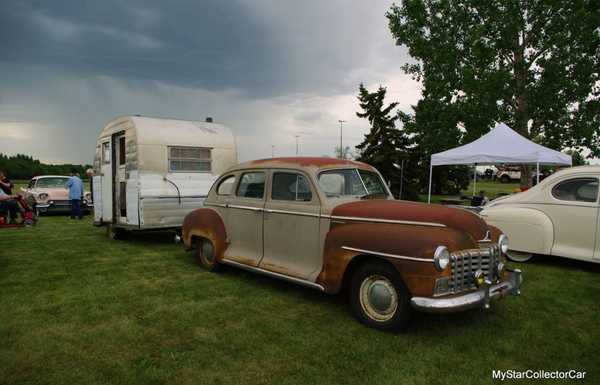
(378, 298)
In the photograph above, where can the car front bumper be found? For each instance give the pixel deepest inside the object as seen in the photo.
(480, 298)
(61, 206)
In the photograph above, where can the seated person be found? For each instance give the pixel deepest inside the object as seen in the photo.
(9, 204)
(479, 200)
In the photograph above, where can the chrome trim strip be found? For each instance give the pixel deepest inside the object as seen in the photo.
(215, 204)
(298, 281)
(274, 211)
(245, 207)
(171, 196)
(381, 220)
(387, 255)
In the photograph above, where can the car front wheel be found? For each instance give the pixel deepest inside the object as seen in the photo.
(379, 298)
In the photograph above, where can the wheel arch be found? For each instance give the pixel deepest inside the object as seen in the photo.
(205, 223)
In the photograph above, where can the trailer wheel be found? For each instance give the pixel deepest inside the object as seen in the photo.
(205, 255)
(505, 179)
(116, 233)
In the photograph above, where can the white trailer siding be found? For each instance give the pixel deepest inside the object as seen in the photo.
(157, 196)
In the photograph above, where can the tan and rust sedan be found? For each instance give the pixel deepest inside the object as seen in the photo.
(331, 224)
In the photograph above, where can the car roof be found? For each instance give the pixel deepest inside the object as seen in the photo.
(315, 163)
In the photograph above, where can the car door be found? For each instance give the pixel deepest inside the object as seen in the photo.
(244, 219)
(573, 210)
(291, 226)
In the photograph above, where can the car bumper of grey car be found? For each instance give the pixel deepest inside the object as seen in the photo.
(480, 298)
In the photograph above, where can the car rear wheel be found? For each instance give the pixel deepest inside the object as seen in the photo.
(519, 256)
(205, 255)
(379, 298)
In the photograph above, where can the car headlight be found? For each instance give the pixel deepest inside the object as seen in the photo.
(503, 243)
(441, 258)
(42, 196)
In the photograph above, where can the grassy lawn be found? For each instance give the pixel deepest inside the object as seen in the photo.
(78, 308)
(492, 189)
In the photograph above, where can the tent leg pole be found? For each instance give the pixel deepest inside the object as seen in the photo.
(537, 174)
(430, 173)
(475, 179)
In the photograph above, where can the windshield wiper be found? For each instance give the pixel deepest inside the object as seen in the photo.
(373, 195)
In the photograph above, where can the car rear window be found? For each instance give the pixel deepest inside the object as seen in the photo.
(577, 190)
(252, 185)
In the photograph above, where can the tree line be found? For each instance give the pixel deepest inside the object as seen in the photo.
(532, 64)
(22, 166)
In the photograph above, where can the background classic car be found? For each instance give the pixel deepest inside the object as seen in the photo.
(49, 193)
(559, 216)
(329, 224)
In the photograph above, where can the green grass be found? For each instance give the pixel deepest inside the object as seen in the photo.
(492, 189)
(78, 308)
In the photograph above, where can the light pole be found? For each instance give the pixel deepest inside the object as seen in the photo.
(296, 136)
(272, 151)
(341, 142)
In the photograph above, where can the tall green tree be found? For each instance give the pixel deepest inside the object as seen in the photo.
(385, 146)
(533, 64)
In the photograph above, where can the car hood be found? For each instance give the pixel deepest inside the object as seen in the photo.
(458, 219)
(57, 193)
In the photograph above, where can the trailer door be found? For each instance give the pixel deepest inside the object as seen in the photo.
(105, 188)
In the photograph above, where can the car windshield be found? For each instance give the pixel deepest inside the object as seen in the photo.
(351, 182)
(51, 182)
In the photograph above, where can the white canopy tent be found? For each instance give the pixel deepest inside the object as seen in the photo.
(501, 145)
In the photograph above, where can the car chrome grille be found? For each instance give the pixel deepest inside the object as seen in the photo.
(465, 263)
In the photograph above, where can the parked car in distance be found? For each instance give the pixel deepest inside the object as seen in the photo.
(49, 193)
(557, 217)
(331, 224)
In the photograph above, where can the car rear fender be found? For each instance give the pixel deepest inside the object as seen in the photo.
(206, 223)
(529, 230)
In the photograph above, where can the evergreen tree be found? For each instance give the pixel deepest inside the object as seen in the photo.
(385, 146)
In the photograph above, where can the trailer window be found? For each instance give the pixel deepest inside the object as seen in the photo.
(122, 150)
(190, 159)
(106, 152)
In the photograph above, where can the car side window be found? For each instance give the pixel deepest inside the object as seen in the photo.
(577, 190)
(226, 185)
(31, 184)
(289, 186)
(252, 185)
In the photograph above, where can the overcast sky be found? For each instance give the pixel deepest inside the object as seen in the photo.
(268, 69)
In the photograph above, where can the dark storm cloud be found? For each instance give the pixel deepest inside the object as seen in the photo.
(210, 44)
(270, 69)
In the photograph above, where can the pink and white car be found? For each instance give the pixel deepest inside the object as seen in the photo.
(49, 193)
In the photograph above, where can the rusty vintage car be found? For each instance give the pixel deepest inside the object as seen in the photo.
(331, 224)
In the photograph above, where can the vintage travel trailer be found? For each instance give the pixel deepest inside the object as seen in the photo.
(151, 172)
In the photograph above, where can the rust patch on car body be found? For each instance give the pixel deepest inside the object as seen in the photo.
(318, 162)
(205, 223)
(414, 212)
(392, 242)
